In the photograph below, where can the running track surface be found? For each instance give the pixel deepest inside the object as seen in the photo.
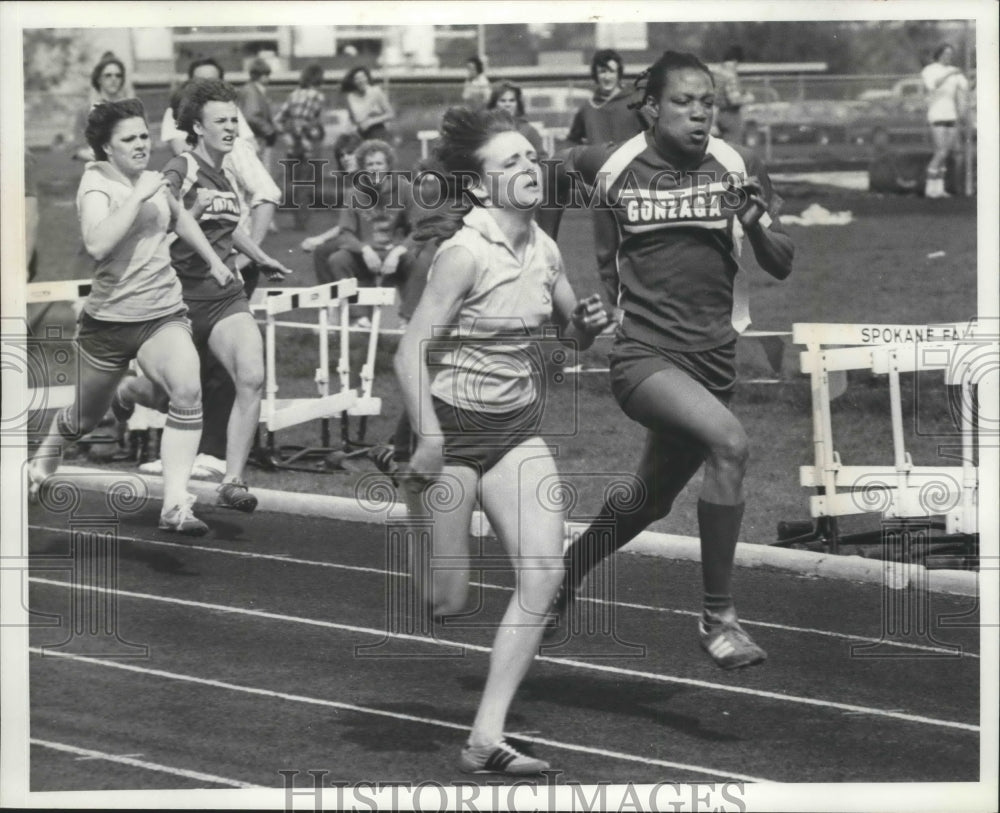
(253, 667)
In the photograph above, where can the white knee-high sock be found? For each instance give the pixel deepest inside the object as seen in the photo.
(178, 448)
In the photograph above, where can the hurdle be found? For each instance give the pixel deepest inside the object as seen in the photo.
(278, 414)
(62, 395)
(900, 491)
(41, 293)
(330, 301)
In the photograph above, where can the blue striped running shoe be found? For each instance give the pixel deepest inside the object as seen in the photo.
(729, 645)
(501, 758)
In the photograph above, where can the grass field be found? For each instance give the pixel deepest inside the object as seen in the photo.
(877, 269)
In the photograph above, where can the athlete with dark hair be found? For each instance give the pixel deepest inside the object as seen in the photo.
(496, 281)
(218, 309)
(136, 309)
(683, 202)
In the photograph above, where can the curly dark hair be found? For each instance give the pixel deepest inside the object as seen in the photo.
(373, 145)
(348, 85)
(95, 75)
(190, 100)
(652, 80)
(464, 132)
(500, 90)
(103, 118)
(200, 63)
(312, 76)
(944, 46)
(603, 59)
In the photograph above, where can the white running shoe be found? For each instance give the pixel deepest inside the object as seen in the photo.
(208, 467)
(181, 519)
(500, 758)
(152, 467)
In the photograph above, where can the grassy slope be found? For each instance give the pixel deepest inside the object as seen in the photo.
(874, 270)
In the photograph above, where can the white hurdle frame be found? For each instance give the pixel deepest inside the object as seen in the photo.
(834, 348)
(74, 291)
(277, 413)
(40, 293)
(327, 299)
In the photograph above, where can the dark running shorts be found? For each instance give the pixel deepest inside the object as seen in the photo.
(632, 362)
(473, 439)
(205, 314)
(110, 346)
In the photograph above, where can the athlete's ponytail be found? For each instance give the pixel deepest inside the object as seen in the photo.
(463, 133)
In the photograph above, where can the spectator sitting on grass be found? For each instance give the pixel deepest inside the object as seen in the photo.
(325, 244)
(374, 225)
(896, 172)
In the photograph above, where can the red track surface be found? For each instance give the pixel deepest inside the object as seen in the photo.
(253, 668)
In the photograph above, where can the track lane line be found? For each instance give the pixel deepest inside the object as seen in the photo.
(88, 753)
(287, 558)
(316, 701)
(443, 642)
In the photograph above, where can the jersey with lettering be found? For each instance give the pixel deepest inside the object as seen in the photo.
(186, 174)
(681, 287)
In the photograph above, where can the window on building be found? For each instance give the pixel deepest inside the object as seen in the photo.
(622, 36)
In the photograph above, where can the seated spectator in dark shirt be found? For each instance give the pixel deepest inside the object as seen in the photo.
(322, 246)
(375, 226)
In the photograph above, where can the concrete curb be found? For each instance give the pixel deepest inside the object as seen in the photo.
(377, 505)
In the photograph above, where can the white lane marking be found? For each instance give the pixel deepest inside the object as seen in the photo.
(443, 642)
(87, 753)
(317, 701)
(864, 639)
(102, 756)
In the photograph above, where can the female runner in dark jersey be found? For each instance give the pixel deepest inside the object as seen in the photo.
(684, 202)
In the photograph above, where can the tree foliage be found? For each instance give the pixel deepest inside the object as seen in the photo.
(53, 58)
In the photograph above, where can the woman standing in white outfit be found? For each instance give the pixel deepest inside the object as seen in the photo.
(947, 90)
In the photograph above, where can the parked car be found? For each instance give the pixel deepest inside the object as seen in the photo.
(842, 130)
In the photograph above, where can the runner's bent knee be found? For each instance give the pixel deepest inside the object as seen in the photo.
(731, 449)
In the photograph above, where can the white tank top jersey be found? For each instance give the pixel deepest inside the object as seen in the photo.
(136, 282)
(943, 83)
(491, 363)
